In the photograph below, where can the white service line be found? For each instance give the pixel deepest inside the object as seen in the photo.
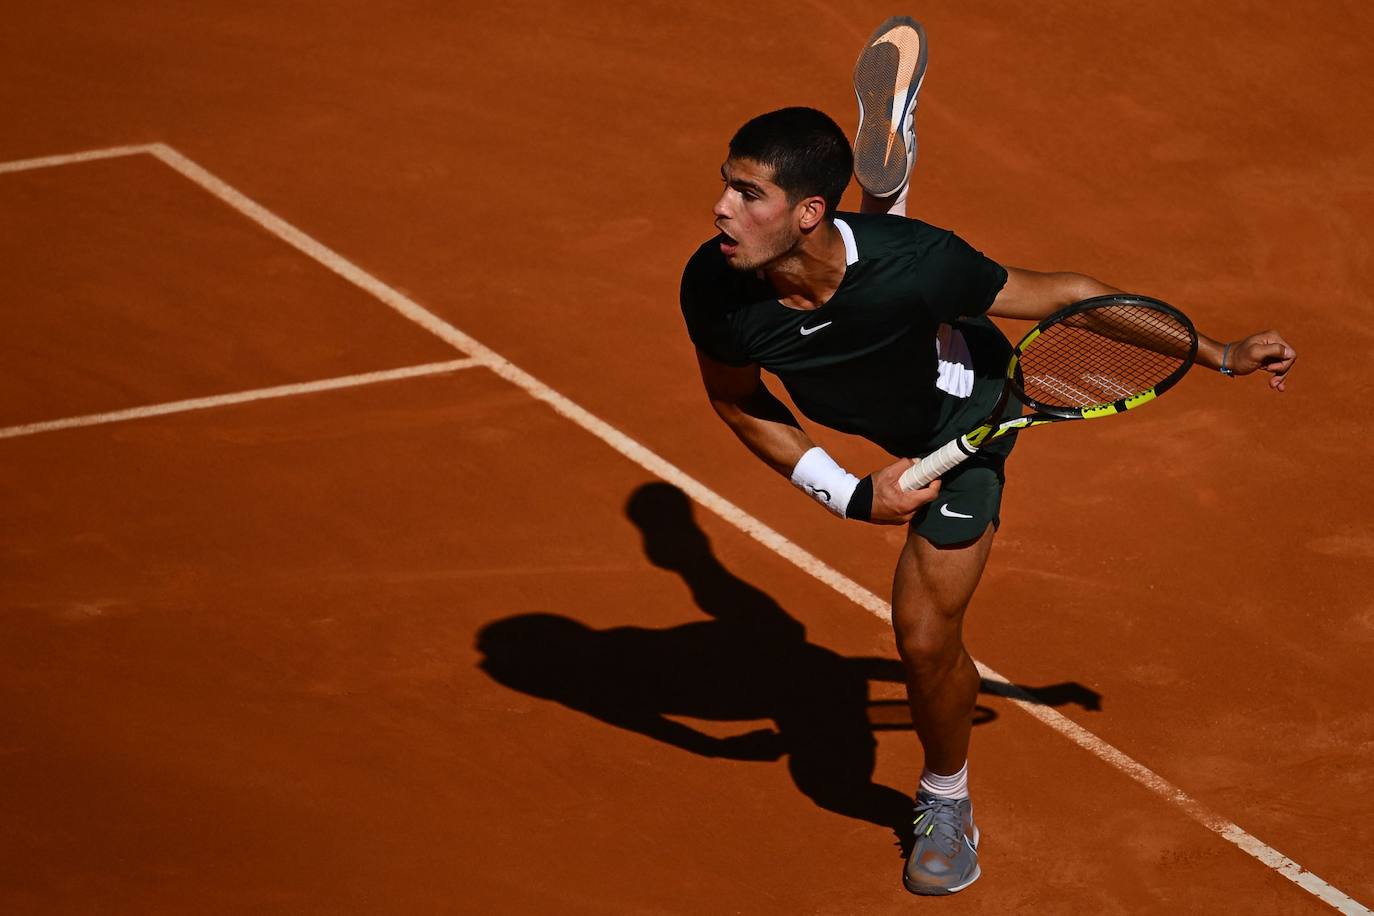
(736, 516)
(45, 162)
(238, 397)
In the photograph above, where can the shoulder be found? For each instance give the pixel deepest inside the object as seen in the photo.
(712, 297)
(908, 258)
(882, 235)
(900, 243)
(708, 282)
(707, 257)
(706, 275)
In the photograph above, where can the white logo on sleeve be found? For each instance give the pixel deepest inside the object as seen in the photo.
(947, 512)
(806, 331)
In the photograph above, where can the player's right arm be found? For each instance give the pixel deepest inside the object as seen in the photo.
(765, 425)
(754, 415)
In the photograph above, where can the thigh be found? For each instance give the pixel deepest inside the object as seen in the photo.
(934, 583)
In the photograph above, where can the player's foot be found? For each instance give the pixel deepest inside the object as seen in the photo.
(945, 857)
(887, 79)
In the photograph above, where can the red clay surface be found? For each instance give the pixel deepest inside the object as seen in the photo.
(129, 285)
(403, 649)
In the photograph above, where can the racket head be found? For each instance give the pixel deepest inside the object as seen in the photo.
(1102, 356)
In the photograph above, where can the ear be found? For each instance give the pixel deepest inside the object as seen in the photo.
(810, 212)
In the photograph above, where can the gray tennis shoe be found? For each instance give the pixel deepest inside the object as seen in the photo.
(945, 857)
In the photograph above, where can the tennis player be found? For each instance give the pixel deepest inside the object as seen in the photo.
(879, 326)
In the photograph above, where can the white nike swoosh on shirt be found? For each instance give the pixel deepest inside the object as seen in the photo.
(947, 512)
(806, 331)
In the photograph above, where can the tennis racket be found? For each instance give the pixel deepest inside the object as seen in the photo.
(1097, 358)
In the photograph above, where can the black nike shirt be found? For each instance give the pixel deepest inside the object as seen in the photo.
(865, 362)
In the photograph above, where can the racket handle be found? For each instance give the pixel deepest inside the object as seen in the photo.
(947, 457)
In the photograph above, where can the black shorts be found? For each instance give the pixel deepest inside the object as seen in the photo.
(970, 499)
(970, 495)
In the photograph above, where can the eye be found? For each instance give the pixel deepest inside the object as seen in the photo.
(745, 192)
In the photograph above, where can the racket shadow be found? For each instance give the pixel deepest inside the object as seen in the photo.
(749, 661)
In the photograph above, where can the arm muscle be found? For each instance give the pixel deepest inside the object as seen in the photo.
(760, 420)
(1032, 295)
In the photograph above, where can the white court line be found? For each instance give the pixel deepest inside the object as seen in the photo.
(238, 397)
(44, 162)
(736, 516)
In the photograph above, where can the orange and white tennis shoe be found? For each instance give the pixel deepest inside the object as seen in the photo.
(887, 80)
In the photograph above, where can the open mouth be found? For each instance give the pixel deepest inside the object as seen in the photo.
(728, 245)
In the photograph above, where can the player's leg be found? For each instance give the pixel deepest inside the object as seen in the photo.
(947, 547)
(887, 80)
(931, 591)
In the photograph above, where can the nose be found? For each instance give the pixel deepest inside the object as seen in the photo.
(720, 210)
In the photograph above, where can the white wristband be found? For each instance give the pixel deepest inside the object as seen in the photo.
(824, 480)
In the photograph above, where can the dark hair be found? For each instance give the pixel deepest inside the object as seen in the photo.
(806, 150)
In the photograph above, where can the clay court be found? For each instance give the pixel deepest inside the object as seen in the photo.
(369, 545)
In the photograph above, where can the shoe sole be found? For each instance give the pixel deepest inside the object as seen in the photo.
(887, 96)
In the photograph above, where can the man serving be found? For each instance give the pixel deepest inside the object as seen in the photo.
(878, 325)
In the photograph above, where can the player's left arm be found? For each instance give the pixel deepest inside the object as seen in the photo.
(1032, 295)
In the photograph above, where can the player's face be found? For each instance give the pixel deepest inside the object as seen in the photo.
(757, 224)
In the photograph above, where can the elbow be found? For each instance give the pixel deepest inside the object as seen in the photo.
(728, 411)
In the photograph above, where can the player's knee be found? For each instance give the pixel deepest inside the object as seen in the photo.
(930, 651)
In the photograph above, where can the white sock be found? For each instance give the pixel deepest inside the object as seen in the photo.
(896, 204)
(955, 786)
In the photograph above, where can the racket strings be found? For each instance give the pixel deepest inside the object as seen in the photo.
(1103, 355)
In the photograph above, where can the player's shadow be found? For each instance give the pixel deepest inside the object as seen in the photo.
(750, 661)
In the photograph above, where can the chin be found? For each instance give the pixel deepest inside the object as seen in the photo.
(748, 263)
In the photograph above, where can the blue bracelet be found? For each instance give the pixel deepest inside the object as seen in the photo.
(1229, 373)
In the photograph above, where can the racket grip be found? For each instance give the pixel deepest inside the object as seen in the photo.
(945, 458)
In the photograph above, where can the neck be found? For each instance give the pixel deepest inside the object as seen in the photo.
(808, 275)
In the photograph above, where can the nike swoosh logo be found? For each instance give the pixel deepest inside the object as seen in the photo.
(903, 37)
(947, 512)
(806, 331)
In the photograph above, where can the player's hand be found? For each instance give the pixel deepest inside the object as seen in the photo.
(1266, 350)
(891, 504)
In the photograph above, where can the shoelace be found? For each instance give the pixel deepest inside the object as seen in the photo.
(939, 820)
